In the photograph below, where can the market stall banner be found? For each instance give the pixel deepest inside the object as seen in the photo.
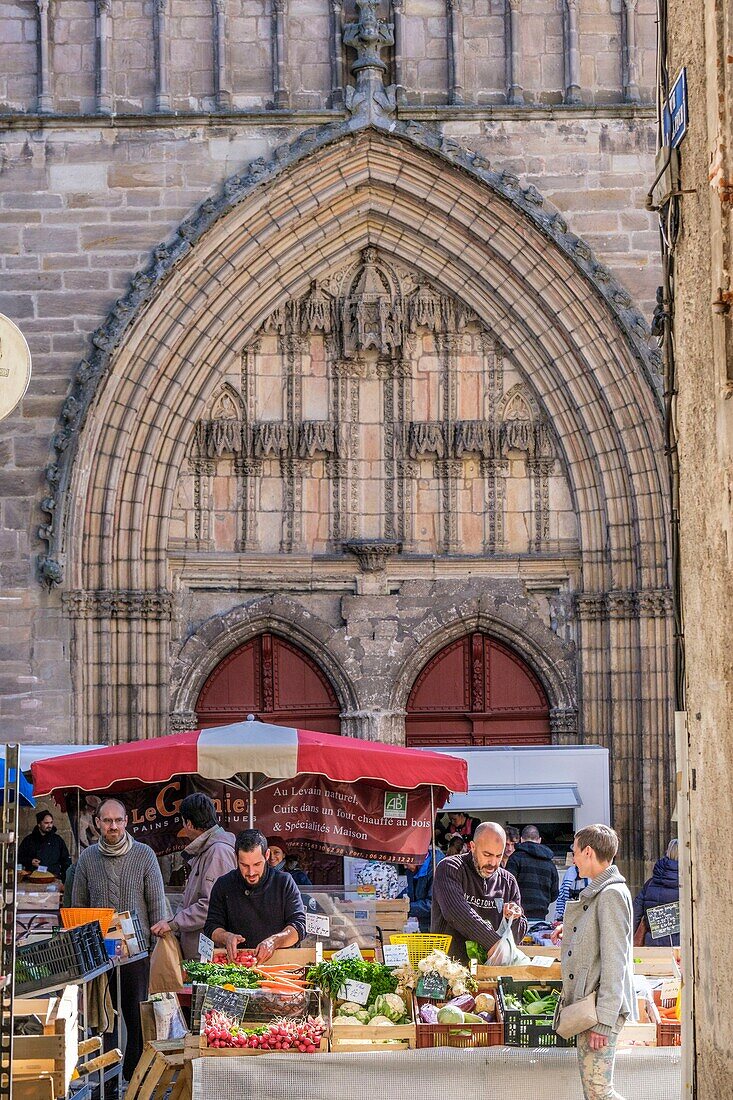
(307, 812)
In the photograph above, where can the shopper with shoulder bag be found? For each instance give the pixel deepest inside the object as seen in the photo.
(597, 962)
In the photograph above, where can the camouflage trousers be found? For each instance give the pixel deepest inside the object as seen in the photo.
(596, 1069)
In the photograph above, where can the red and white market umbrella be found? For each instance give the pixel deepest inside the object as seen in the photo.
(249, 752)
(314, 790)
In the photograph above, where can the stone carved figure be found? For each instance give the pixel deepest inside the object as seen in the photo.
(370, 100)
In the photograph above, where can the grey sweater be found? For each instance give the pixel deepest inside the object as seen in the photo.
(597, 950)
(122, 883)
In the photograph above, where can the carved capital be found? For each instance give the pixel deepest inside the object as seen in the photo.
(278, 6)
(513, 5)
(372, 554)
(104, 7)
(655, 603)
(621, 605)
(181, 721)
(42, 6)
(124, 605)
(564, 720)
(591, 606)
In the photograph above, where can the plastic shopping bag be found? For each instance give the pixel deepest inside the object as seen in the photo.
(506, 952)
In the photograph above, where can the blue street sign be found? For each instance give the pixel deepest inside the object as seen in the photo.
(675, 111)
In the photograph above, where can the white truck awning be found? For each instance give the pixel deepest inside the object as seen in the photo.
(549, 797)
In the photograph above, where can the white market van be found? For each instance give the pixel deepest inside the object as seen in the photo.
(551, 785)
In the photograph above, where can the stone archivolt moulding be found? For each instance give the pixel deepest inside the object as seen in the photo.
(147, 283)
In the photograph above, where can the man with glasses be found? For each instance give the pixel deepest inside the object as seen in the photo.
(122, 874)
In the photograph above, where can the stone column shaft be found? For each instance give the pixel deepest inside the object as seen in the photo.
(103, 91)
(514, 92)
(337, 54)
(572, 51)
(45, 99)
(630, 52)
(222, 93)
(455, 52)
(279, 56)
(398, 19)
(162, 89)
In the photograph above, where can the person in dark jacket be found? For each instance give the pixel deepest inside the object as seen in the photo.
(662, 888)
(420, 889)
(279, 858)
(45, 848)
(458, 824)
(533, 867)
(255, 904)
(473, 893)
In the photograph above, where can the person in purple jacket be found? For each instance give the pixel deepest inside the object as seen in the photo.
(472, 894)
(662, 888)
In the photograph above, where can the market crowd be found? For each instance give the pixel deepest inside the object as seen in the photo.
(485, 885)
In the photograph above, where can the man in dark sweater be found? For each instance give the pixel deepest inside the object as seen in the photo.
(45, 848)
(255, 903)
(473, 893)
(533, 867)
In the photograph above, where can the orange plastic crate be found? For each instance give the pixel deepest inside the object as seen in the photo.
(72, 918)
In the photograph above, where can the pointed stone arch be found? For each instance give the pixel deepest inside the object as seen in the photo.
(277, 229)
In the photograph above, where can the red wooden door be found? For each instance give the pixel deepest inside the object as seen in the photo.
(477, 691)
(274, 680)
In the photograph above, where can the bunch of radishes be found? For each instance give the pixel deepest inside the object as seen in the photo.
(301, 1035)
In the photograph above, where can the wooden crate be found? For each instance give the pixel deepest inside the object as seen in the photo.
(656, 962)
(353, 1038)
(290, 956)
(519, 973)
(197, 1047)
(644, 1031)
(161, 1068)
(461, 1036)
(53, 1054)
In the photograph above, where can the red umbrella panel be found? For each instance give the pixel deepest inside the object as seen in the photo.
(316, 791)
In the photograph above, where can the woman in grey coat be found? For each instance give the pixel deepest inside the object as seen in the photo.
(597, 956)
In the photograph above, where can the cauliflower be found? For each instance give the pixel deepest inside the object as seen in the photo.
(391, 1006)
(349, 1008)
(341, 1020)
(380, 1021)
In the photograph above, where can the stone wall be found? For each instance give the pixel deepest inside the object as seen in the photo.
(701, 39)
(178, 38)
(154, 550)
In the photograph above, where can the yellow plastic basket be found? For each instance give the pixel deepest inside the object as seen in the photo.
(420, 944)
(72, 918)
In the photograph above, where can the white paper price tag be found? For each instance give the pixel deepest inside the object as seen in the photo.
(358, 992)
(396, 954)
(474, 967)
(317, 925)
(206, 948)
(351, 951)
(542, 960)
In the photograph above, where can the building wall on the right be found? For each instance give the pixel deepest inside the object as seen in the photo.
(701, 39)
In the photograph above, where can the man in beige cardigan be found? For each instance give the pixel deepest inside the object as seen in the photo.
(597, 956)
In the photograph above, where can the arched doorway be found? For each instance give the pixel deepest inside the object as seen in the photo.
(477, 691)
(274, 680)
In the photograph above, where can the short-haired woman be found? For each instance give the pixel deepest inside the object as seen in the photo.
(597, 956)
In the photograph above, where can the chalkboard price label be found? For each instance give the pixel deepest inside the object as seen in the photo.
(231, 1003)
(664, 920)
(432, 986)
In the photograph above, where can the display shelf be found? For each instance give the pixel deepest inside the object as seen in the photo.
(52, 986)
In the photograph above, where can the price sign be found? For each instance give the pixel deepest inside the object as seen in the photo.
(396, 954)
(351, 951)
(206, 948)
(317, 925)
(432, 986)
(231, 1003)
(358, 992)
(664, 920)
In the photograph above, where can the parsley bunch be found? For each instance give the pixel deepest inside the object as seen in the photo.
(330, 976)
